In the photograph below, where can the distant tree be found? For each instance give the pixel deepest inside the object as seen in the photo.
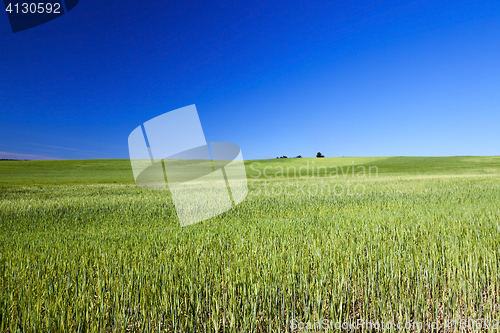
(11, 159)
(318, 155)
(299, 156)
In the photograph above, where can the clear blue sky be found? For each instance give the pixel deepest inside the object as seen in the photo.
(347, 78)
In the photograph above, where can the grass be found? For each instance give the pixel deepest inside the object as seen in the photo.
(83, 249)
(65, 172)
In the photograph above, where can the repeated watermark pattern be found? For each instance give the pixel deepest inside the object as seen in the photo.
(465, 324)
(205, 180)
(311, 170)
(310, 180)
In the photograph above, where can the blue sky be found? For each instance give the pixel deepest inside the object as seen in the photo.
(350, 78)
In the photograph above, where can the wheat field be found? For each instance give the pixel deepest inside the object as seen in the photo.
(82, 249)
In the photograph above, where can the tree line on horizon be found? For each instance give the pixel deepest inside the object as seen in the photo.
(318, 155)
(11, 159)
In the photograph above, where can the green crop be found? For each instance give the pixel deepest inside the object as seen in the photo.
(416, 242)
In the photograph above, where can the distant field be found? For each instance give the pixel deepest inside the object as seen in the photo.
(86, 172)
(410, 239)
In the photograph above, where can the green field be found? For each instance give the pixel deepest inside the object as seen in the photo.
(411, 239)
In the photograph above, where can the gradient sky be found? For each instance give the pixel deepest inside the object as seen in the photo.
(347, 78)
